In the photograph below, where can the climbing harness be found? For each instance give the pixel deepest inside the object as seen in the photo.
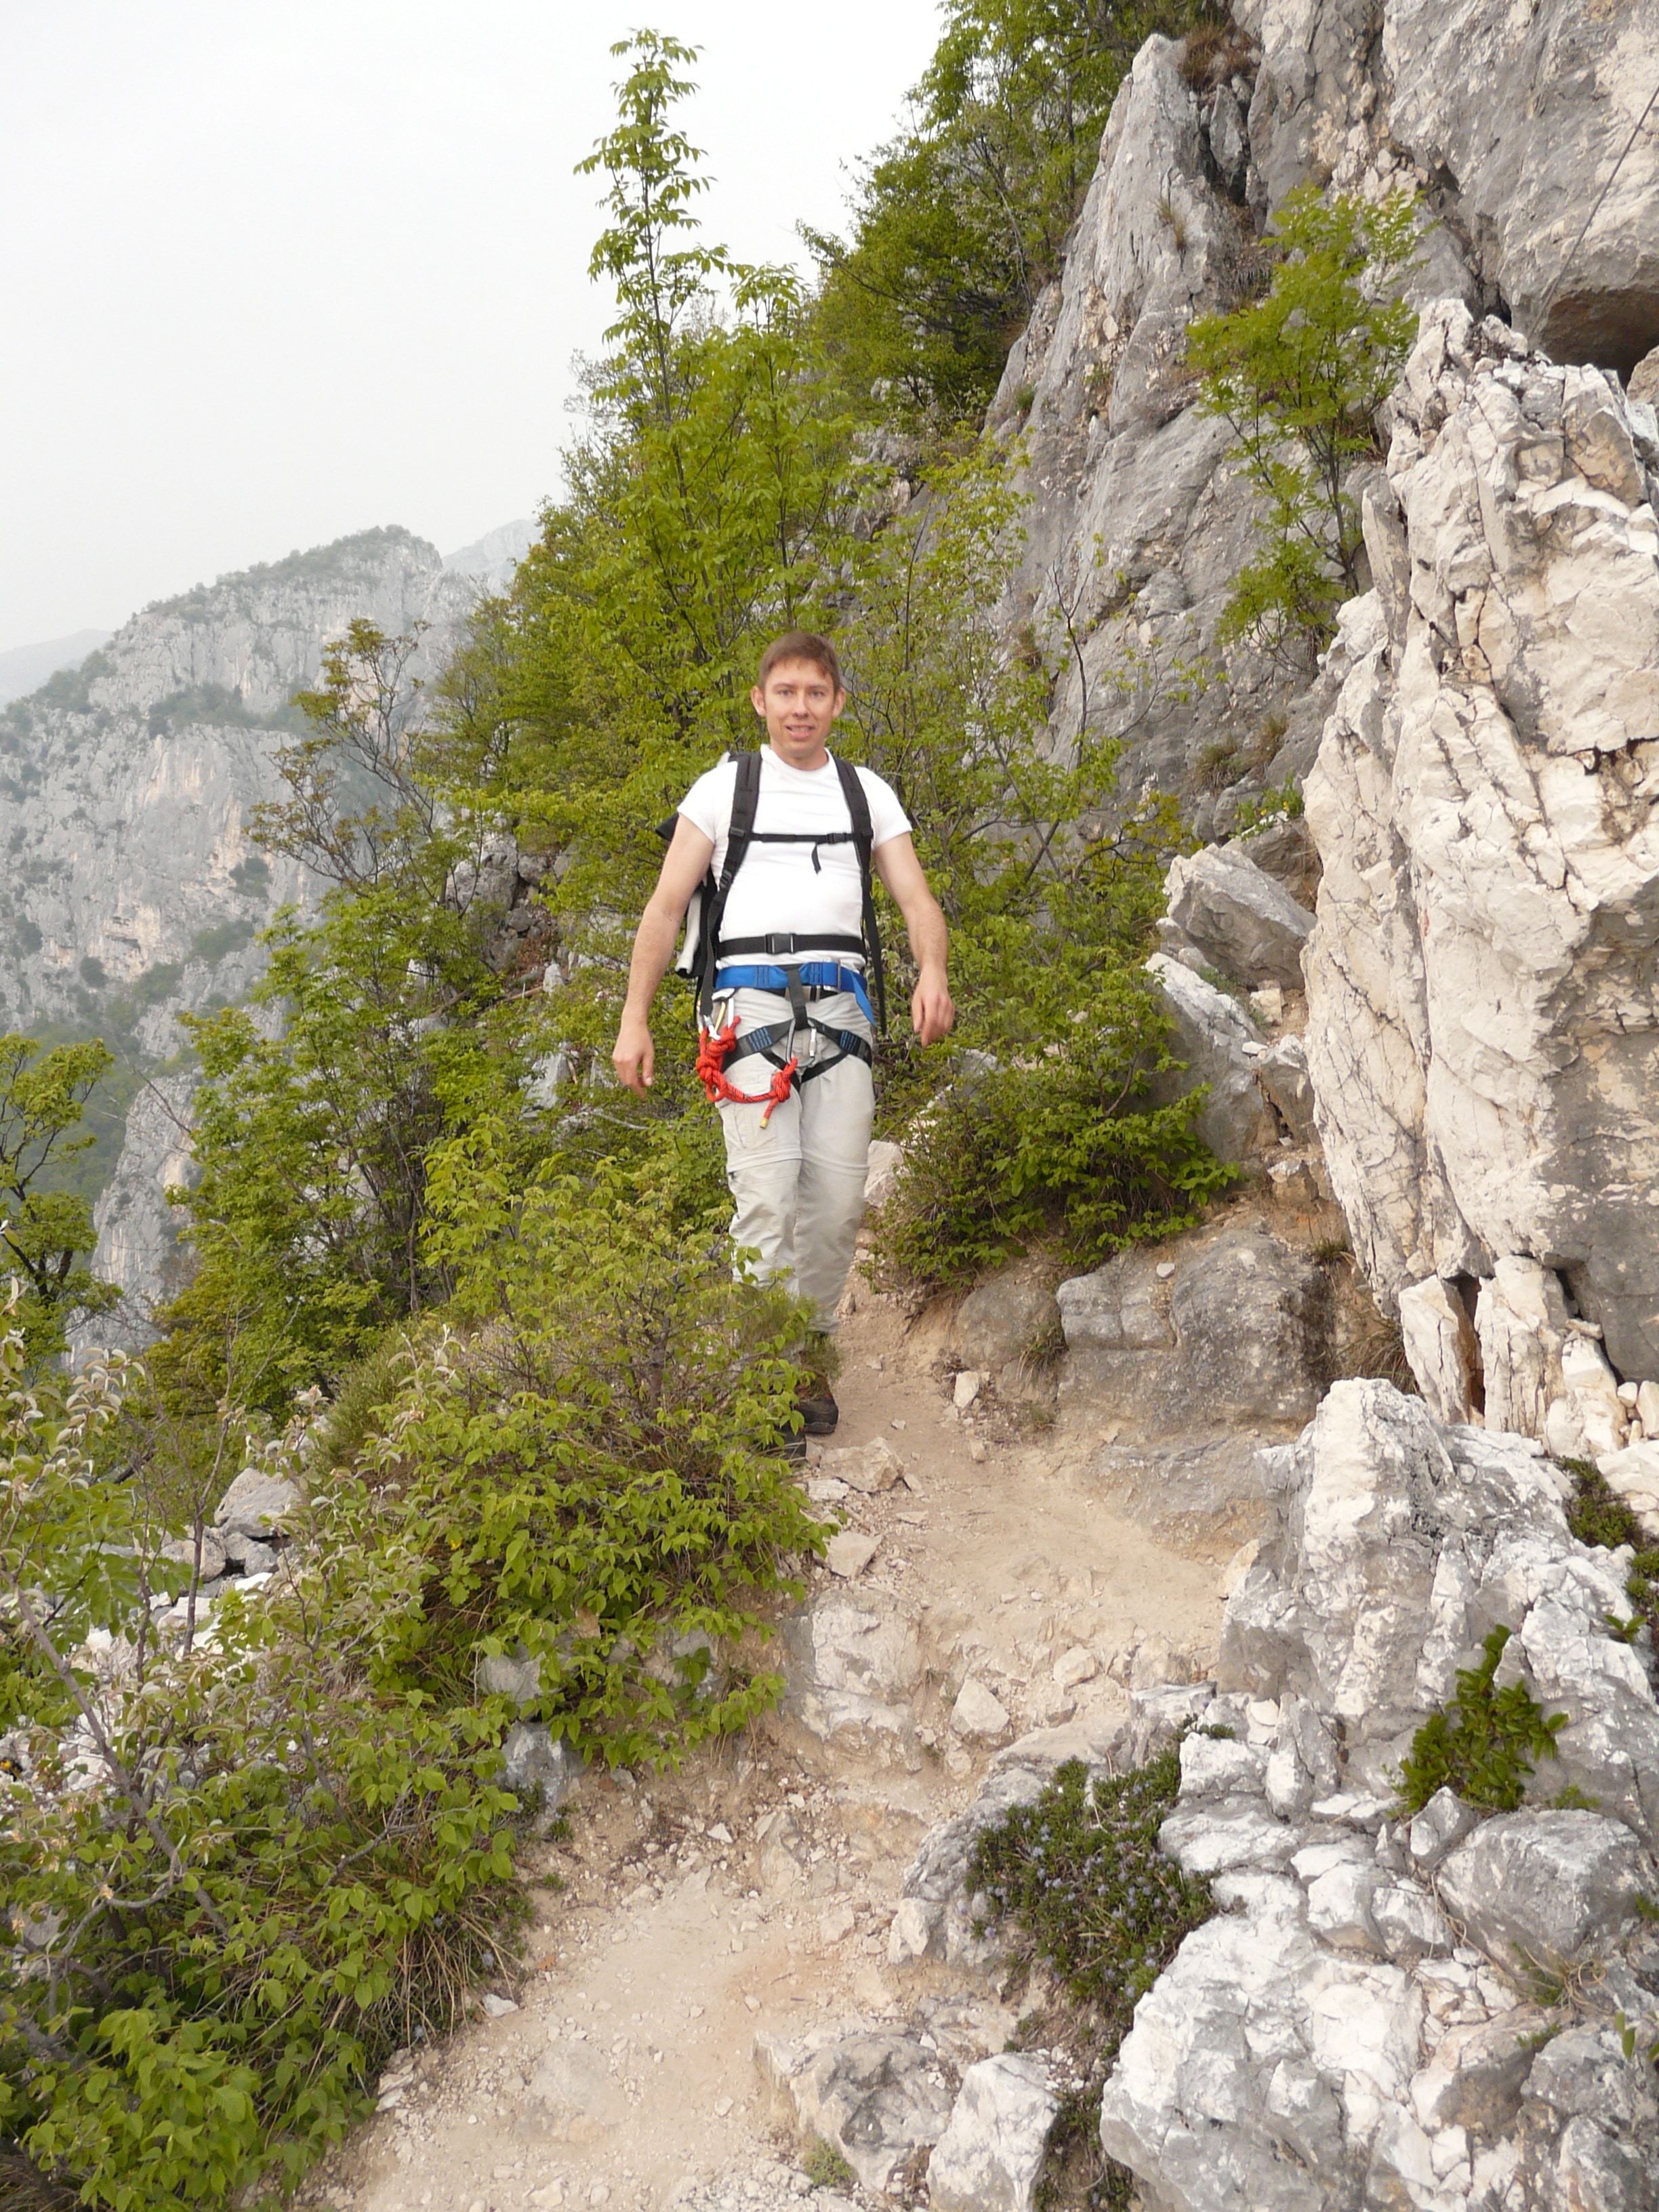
(712, 962)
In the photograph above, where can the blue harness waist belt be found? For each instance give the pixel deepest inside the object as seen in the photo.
(814, 975)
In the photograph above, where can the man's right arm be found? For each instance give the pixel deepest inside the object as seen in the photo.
(684, 868)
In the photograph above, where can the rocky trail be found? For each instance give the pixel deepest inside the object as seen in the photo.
(756, 1890)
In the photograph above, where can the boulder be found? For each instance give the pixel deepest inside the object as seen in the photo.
(255, 1506)
(1539, 1891)
(533, 1758)
(1481, 1014)
(1220, 1045)
(978, 1711)
(1229, 1328)
(1243, 921)
(179, 1553)
(1282, 1071)
(853, 1661)
(1007, 1318)
(886, 1161)
(990, 2156)
(850, 1553)
(877, 2097)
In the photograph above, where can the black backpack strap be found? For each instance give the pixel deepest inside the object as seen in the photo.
(745, 798)
(858, 809)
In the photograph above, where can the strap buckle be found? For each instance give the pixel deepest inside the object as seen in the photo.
(779, 942)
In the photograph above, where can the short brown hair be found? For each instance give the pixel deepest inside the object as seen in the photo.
(801, 645)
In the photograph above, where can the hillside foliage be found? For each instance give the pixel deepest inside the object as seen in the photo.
(1300, 374)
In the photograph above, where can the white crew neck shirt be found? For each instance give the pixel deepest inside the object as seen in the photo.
(777, 887)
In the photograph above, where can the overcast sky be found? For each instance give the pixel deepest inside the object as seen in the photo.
(269, 274)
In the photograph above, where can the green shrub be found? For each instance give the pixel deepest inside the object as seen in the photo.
(1079, 1875)
(1484, 1745)
(1598, 1515)
(1049, 1140)
(249, 1877)
(588, 1465)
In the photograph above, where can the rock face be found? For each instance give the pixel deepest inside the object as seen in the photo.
(1483, 1035)
(1231, 1333)
(1515, 119)
(1351, 2027)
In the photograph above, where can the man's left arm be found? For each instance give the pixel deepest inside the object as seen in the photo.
(930, 1010)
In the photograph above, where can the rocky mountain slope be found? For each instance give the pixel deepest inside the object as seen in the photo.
(1508, 123)
(132, 891)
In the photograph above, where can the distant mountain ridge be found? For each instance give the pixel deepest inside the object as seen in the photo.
(130, 890)
(25, 666)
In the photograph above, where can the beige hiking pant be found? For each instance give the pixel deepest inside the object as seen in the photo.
(798, 1182)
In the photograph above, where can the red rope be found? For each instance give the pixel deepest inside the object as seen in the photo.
(711, 1050)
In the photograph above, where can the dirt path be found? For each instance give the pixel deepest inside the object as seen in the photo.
(754, 1889)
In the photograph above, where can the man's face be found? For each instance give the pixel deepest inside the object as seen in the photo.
(798, 706)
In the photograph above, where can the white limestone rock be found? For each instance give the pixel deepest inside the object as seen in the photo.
(1254, 2056)
(1479, 1019)
(1219, 1044)
(990, 2157)
(873, 1468)
(853, 1663)
(978, 1711)
(1441, 1348)
(1543, 1890)
(257, 1506)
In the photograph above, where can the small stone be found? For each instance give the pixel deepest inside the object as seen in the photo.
(1166, 1269)
(825, 1490)
(835, 1925)
(1440, 1827)
(850, 1553)
(498, 2007)
(978, 1711)
(873, 1468)
(722, 2107)
(719, 1833)
(966, 1388)
(976, 1452)
(1075, 1666)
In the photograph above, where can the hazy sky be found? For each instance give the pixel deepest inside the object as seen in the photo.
(272, 273)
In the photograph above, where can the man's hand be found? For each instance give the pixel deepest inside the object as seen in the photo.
(634, 1056)
(931, 1013)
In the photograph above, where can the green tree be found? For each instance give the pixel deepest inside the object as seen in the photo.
(305, 1221)
(1300, 375)
(703, 515)
(962, 219)
(43, 1232)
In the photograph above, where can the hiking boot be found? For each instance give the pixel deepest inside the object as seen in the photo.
(819, 1412)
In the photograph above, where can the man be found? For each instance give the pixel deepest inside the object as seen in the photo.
(786, 1051)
